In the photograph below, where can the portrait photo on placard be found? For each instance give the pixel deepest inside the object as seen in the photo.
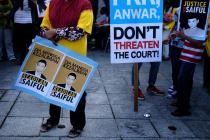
(43, 62)
(72, 75)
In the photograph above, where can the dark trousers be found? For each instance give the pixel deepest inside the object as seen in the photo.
(77, 118)
(22, 38)
(206, 71)
(154, 68)
(184, 85)
(102, 34)
(175, 53)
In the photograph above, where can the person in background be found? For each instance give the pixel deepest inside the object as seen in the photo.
(102, 28)
(191, 54)
(6, 31)
(206, 69)
(175, 47)
(69, 27)
(154, 68)
(24, 29)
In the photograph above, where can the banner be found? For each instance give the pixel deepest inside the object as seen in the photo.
(193, 19)
(136, 30)
(55, 74)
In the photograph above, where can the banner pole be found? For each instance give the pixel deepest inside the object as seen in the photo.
(136, 78)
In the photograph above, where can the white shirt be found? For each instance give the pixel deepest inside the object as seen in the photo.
(38, 74)
(67, 87)
(23, 16)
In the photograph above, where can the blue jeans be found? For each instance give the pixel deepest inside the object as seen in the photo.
(184, 85)
(6, 38)
(154, 68)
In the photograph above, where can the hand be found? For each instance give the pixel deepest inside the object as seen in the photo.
(177, 34)
(166, 41)
(180, 34)
(50, 34)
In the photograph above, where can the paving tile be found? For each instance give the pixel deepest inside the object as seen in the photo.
(2, 91)
(112, 80)
(136, 128)
(95, 98)
(27, 109)
(98, 111)
(100, 128)
(91, 138)
(31, 138)
(55, 132)
(163, 139)
(95, 88)
(10, 95)
(25, 97)
(95, 111)
(120, 89)
(182, 131)
(5, 108)
(201, 129)
(151, 99)
(127, 111)
(5, 84)
(120, 99)
(147, 139)
(21, 126)
(1, 120)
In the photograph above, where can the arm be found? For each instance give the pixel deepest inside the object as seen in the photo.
(84, 27)
(185, 37)
(71, 33)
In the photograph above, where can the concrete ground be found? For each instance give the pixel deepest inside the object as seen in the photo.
(109, 109)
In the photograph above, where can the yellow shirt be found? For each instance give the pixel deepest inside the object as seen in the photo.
(85, 22)
(171, 24)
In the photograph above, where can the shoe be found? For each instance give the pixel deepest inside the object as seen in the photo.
(172, 93)
(46, 127)
(178, 113)
(73, 133)
(171, 89)
(155, 90)
(140, 94)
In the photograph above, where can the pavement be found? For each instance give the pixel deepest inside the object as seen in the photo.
(109, 111)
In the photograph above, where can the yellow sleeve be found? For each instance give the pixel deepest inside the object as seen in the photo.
(45, 21)
(86, 21)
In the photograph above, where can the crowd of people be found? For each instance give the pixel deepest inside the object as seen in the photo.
(19, 23)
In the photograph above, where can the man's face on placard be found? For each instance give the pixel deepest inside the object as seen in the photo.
(40, 67)
(193, 22)
(70, 80)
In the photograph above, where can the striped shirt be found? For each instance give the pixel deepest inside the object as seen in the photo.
(190, 53)
(23, 16)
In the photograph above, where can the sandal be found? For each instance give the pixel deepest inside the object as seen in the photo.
(74, 133)
(46, 127)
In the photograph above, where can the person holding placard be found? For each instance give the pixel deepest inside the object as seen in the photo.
(69, 27)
